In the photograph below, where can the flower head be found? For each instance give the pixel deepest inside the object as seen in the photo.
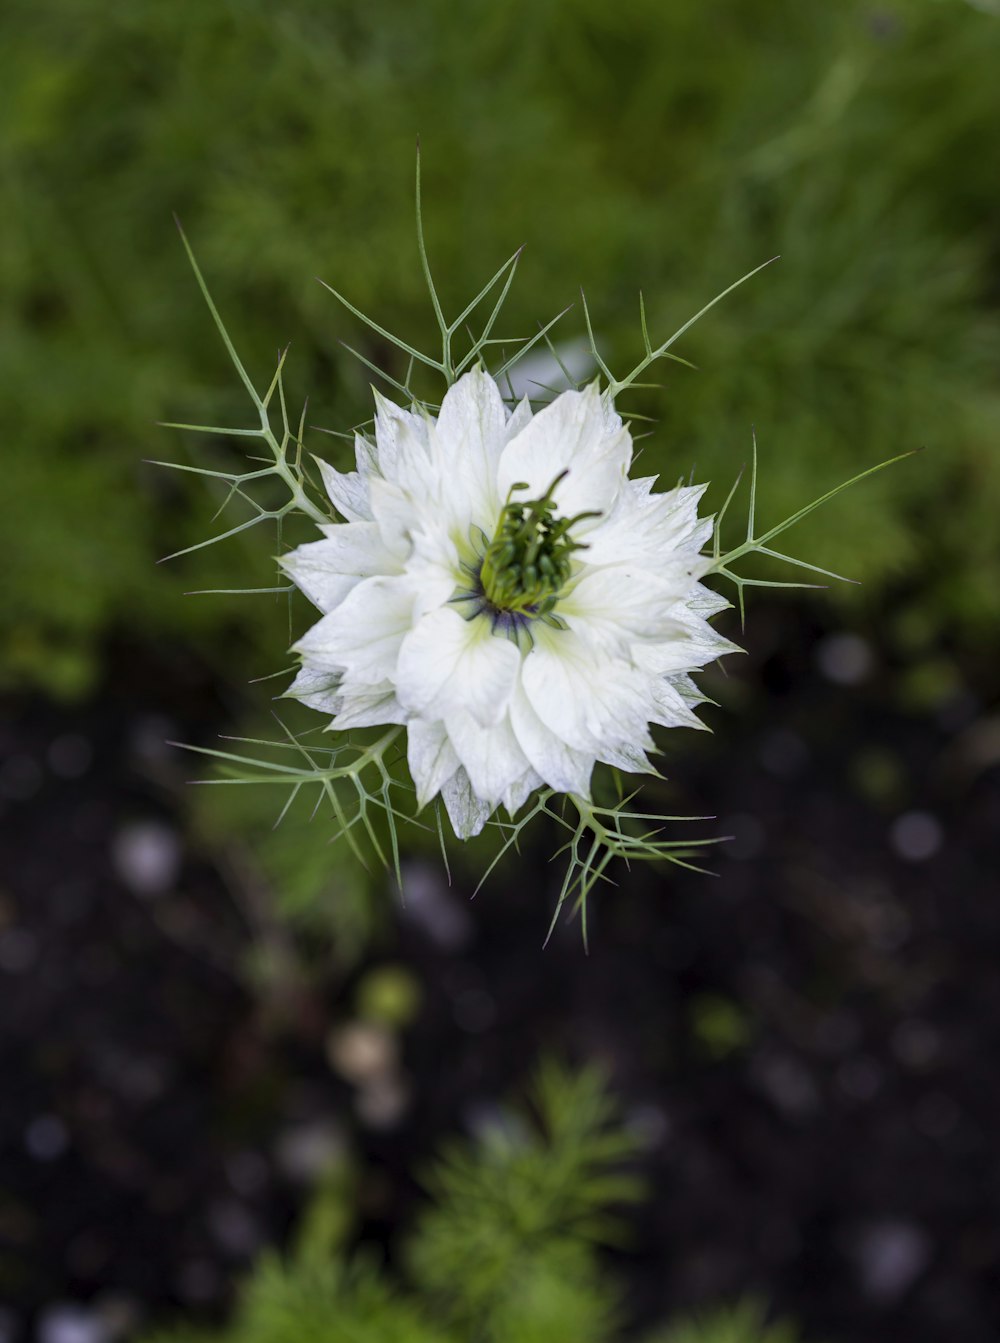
(502, 587)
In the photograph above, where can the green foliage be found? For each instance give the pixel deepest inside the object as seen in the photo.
(745, 1323)
(308, 1303)
(525, 1207)
(505, 1251)
(642, 146)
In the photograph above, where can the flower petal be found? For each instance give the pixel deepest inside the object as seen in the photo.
(467, 440)
(364, 632)
(348, 492)
(367, 705)
(627, 756)
(327, 570)
(692, 643)
(517, 794)
(558, 764)
(570, 434)
(396, 515)
(434, 568)
(354, 705)
(319, 687)
(672, 710)
(467, 812)
(357, 548)
(648, 529)
(492, 759)
(619, 604)
(691, 694)
(431, 757)
(586, 697)
(519, 418)
(366, 457)
(448, 664)
(324, 587)
(401, 439)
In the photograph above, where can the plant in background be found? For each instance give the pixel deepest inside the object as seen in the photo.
(501, 599)
(743, 1323)
(505, 1250)
(852, 141)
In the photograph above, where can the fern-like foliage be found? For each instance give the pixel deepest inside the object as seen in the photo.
(303, 1302)
(505, 1251)
(743, 1323)
(514, 1218)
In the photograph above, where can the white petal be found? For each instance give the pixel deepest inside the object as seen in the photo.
(519, 418)
(467, 440)
(324, 588)
(583, 695)
(319, 687)
(348, 492)
(365, 631)
(367, 705)
(570, 434)
(559, 765)
(490, 755)
(648, 529)
(447, 664)
(401, 438)
(690, 693)
(692, 643)
(356, 548)
(704, 602)
(327, 570)
(434, 568)
(366, 457)
(467, 812)
(617, 605)
(624, 755)
(672, 710)
(431, 757)
(355, 705)
(517, 794)
(395, 513)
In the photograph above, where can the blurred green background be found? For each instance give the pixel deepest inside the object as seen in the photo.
(662, 147)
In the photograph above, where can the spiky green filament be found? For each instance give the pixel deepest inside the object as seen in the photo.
(528, 562)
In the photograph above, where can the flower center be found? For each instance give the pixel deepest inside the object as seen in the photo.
(527, 564)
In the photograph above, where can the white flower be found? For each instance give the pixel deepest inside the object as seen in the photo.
(504, 589)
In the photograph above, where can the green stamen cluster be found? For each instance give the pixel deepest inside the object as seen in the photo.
(527, 564)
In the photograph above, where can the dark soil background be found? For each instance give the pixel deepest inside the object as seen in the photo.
(806, 1042)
